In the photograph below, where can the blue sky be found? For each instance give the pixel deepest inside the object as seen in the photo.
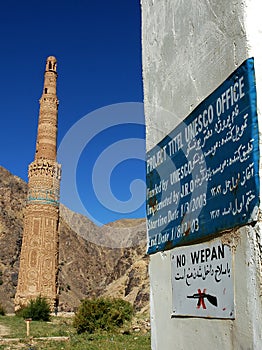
(98, 48)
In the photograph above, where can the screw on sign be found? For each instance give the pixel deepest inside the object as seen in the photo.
(201, 296)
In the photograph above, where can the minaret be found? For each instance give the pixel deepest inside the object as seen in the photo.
(39, 253)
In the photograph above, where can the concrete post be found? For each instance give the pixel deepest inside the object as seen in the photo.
(189, 48)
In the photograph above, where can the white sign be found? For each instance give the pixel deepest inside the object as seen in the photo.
(202, 280)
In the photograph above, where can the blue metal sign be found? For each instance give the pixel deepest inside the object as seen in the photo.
(203, 178)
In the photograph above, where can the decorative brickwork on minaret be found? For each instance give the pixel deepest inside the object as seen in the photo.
(39, 253)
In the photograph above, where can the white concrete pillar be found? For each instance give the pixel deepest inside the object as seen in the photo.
(189, 48)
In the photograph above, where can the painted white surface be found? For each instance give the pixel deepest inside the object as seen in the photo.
(189, 48)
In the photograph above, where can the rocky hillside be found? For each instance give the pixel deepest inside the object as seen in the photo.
(93, 261)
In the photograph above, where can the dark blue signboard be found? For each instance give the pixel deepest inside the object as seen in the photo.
(203, 178)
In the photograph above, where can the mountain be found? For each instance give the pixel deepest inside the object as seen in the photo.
(93, 261)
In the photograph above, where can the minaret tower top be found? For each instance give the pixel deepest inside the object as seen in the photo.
(51, 64)
(47, 126)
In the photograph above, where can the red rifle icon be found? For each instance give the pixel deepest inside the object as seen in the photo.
(200, 296)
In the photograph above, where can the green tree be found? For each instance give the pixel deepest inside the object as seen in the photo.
(102, 314)
(38, 310)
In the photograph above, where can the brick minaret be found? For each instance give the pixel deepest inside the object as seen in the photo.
(39, 254)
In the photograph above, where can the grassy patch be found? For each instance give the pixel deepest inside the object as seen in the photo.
(62, 326)
(57, 327)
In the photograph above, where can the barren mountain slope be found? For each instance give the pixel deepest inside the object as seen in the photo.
(93, 260)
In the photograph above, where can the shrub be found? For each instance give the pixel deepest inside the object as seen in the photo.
(37, 309)
(2, 310)
(102, 314)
